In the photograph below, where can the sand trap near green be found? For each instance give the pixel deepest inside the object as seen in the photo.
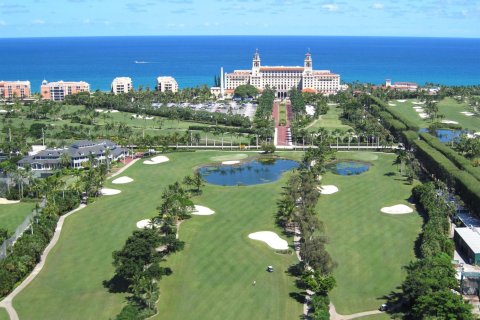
(202, 211)
(6, 201)
(328, 189)
(146, 224)
(109, 192)
(270, 238)
(397, 209)
(449, 122)
(230, 162)
(230, 157)
(156, 160)
(122, 180)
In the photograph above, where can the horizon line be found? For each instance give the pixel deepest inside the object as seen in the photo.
(234, 35)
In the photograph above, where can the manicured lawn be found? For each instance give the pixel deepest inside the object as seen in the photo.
(330, 121)
(212, 277)
(448, 107)
(381, 316)
(4, 314)
(11, 215)
(369, 246)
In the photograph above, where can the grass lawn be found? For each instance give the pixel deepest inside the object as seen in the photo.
(448, 107)
(4, 314)
(214, 273)
(330, 121)
(380, 316)
(369, 246)
(11, 215)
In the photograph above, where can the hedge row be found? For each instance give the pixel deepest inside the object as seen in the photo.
(395, 114)
(456, 158)
(222, 129)
(437, 163)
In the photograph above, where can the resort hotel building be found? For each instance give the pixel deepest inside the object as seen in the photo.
(165, 84)
(12, 89)
(283, 79)
(57, 91)
(121, 85)
(401, 86)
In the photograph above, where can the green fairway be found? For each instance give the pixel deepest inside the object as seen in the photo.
(212, 277)
(369, 246)
(448, 107)
(11, 215)
(380, 316)
(4, 314)
(329, 121)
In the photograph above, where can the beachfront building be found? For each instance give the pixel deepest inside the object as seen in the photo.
(78, 153)
(14, 89)
(121, 85)
(165, 84)
(284, 78)
(401, 86)
(57, 91)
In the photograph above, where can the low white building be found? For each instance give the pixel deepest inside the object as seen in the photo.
(121, 85)
(165, 84)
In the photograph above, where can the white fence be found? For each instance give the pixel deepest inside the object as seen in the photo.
(20, 230)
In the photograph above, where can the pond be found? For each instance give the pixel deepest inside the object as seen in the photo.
(445, 135)
(247, 173)
(349, 167)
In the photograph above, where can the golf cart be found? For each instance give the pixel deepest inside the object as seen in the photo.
(270, 269)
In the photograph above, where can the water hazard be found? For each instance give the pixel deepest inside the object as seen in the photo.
(349, 167)
(247, 173)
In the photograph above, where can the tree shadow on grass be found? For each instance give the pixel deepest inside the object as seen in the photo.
(298, 296)
(116, 284)
(390, 174)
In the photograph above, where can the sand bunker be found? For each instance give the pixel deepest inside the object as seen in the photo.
(419, 109)
(449, 122)
(109, 192)
(146, 224)
(99, 110)
(392, 104)
(6, 201)
(136, 116)
(401, 101)
(156, 160)
(328, 189)
(397, 209)
(202, 211)
(468, 114)
(270, 238)
(418, 103)
(231, 162)
(423, 115)
(229, 157)
(122, 180)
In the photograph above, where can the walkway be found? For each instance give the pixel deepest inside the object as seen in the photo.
(335, 316)
(281, 131)
(7, 301)
(125, 167)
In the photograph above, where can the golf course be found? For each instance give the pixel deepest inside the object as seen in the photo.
(221, 273)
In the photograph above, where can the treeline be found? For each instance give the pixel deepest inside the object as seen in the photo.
(263, 123)
(297, 214)
(436, 158)
(137, 264)
(428, 291)
(26, 252)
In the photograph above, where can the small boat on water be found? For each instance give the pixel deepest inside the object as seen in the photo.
(140, 62)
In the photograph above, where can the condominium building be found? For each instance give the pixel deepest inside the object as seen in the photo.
(402, 86)
(165, 84)
(121, 85)
(57, 91)
(12, 89)
(284, 78)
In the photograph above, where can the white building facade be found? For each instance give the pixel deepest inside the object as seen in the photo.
(165, 84)
(121, 85)
(284, 78)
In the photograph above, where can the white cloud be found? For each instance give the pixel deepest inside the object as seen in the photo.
(378, 6)
(38, 22)
(2, 23)
(330, 7)
(86, 21)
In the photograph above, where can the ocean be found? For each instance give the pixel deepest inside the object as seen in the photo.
(195, 60)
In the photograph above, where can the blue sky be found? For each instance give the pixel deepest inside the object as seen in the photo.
(52, 18)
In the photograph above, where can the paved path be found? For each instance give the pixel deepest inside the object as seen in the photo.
(335, 316)
(7, 301)
(125, 167)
